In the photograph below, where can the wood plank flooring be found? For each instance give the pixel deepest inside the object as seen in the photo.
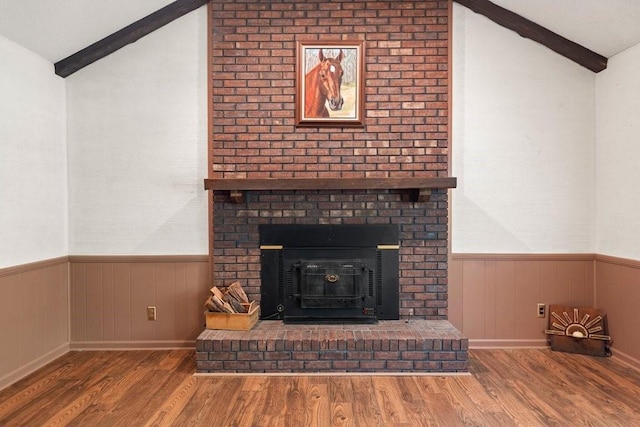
(534, 387)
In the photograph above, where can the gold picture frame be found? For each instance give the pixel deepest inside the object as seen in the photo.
(330, 83)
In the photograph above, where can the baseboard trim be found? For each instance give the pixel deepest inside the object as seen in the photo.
(479, 344)
(625, 358)
(132, 345)
(33, 366)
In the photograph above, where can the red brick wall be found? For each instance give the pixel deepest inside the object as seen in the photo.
(406, 78)
(405, 131)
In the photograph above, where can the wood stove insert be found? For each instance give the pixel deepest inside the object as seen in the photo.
(329, 273)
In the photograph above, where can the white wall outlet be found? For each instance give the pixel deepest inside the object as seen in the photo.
(151, 313)
(542, 309)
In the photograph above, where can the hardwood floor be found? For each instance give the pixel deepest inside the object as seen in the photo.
(507, 387)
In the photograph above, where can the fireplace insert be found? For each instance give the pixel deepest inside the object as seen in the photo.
(329, 273)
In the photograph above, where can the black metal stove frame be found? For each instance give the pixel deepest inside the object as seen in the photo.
(329, 273)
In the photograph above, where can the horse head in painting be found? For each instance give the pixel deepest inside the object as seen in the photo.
(322, 84)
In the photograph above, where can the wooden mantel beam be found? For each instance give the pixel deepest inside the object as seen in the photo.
(529, 29)
(263, 184)
(125, 36)
(420, 188)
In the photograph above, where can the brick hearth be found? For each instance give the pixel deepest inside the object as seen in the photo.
(389, 346)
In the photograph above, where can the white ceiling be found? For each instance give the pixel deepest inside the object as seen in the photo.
(55, 29)
(606, 27)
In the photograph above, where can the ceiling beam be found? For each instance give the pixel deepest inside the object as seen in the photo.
(529, 29)
(125, 36)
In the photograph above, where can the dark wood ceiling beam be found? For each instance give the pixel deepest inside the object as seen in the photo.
(529, 29)
(125, 36)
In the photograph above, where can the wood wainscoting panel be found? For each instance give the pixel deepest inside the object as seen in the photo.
(501, 323)
(110, 296)
(34, 314)
(121, 304)
(493, 297)
(618, 295)
(142, 290)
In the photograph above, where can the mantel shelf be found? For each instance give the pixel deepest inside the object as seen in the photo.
(420, 188)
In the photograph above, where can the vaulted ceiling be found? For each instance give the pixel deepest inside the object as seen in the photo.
(604, 26)
(56, 29)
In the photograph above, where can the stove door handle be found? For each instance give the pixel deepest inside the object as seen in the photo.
(332, 278)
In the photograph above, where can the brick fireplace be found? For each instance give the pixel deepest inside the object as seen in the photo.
(422, 231)
(254, 138)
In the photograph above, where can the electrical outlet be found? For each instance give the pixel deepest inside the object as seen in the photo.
(542, 309)
(151, 313)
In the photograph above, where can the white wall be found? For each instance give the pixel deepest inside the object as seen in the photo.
(33, 158)
(138, 146)
(523, 144)
(618, 156)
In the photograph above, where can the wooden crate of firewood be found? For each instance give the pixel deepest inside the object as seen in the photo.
(229, 308)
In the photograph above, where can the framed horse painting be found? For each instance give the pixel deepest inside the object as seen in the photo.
(330, 83)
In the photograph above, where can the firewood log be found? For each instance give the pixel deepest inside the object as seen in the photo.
(216, 292)
(236, 290)
(221, 305)
(251, 306)
(210, 305)
(233, 302)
